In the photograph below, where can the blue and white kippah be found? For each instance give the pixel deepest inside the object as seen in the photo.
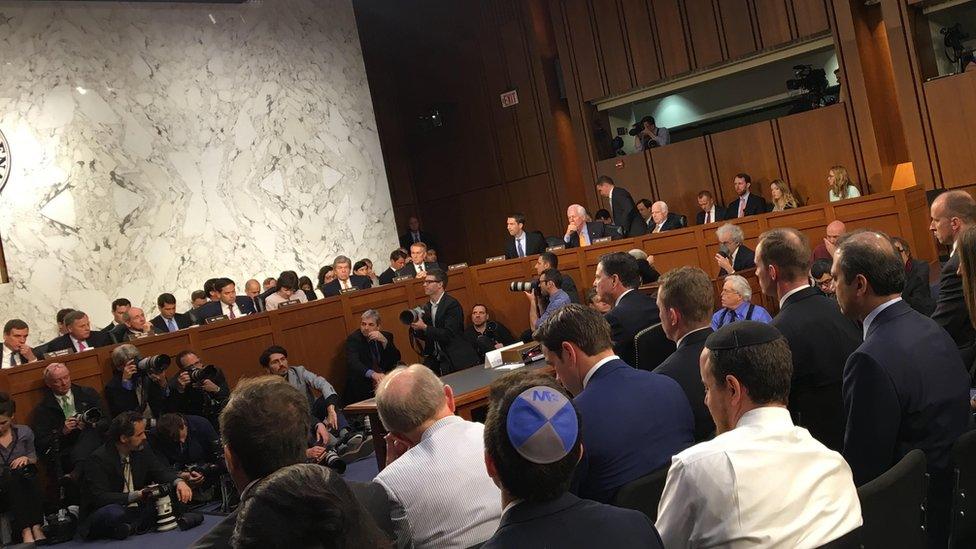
(542, 425)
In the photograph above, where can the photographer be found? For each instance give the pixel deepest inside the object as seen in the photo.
(199, 390)
(145, 392)
(182, 441)
(20, 493)
(118, 498)
(274, 359)
(484, 334)
(647, 135)
(72, 415)
(550, 286)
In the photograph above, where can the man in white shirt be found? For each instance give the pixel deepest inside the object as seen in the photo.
(762, 481)
(435, 477)
(228, 303)
(16, 351)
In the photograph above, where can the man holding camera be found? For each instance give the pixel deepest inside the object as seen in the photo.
(69, 417)
(190, 445)
(484, 334)
(441, 327)
(370, 354)
(199, 390)
(122, 481)
(134, 389)
(550, 285)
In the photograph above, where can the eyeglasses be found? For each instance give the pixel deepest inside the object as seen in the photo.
(899, 250)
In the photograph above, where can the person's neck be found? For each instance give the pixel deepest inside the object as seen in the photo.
(417, 434)
(750, 406)
(506, 497)
(872, 302)
(436, 297)
(590, 361)
(684, 329)
(519, 235)
(225, 304)
(784, 287)
(480, 328)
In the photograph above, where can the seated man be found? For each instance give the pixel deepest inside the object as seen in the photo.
(522, 243)
(187, 440)
(603, 216)
(119, 306)
(133, 390)
(285, 291)
(644, 211)
(398, 258)
(617, 279)
(435, 476)
(203, 397)
(134, 326)
(581, 232)
(414, 235)
(820, 273)
(61, 417)
(745, 202)
(484, 334)
(661, 219)
(825, 249)
(252, 290)
(269, 283)
(732, 254)
(645, 265)
(532, 445)
(116, 498)
(737, 304)
(431, 258)
(80, 336)
(633, 420)
(550, 287)
(274, 359)
(16, 351)
(168, 320)
(228, 303)
(344, 280)
(198, 298)
(41, 350)
(418, 265)
(370, 354)
(549, 260)
(761, 480)
(709, 213)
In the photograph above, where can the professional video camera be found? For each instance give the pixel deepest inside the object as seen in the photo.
(155, 364)
(811, 81)
(410, 316)
(524, 286)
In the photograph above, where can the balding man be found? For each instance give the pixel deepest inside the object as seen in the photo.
(661, 219)
(134, 326)
(80, 336)
(57, 416)
(579, 232)
(252, 289)
(953, 212)
(435, 473)
(825, 250)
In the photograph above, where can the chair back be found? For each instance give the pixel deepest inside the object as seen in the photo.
(962, 532)
(652, 347)
(643, 494)
(684, 220)
(554, 241)
(850, 540)
(892, 505)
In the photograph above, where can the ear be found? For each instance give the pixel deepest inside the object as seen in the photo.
(860, 285)
(733, 387)
(674, 316)
(449, 394)
(490, 466)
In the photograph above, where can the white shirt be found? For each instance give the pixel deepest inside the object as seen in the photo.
(710, 215)
(615, 303)
(433, 307)
(782, 300)
(7, 353)
(273, 301)
(874, 314)
(419, 267)
(77, 344)
(440, 492)
(345, 284)
(586, 378)
(227, 310)
(520, 238)
(766, 483)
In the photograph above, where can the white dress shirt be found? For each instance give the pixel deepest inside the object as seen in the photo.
(77, 344)
(227, 310)
(520, 239)
(766, 483)
(273, 301)
(7, 353)
(710, 215)
(440, 493)
(787, 295)
(874, 314)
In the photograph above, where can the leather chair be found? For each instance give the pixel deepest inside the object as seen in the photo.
(962, 532)
(652, 347)
(892, 505)
(643, 494)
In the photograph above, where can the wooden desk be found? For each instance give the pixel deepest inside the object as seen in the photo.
(470, 397)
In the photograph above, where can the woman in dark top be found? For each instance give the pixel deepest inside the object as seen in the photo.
(326, 275)
(20, 494)
(305, 283)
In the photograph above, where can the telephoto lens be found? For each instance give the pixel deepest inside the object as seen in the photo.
(524, 286)
(155, 364)
(410, 316)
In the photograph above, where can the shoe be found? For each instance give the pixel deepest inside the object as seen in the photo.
(121, 531)
(356, 448)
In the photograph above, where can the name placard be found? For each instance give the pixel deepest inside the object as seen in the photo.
(554, 248)
(347, 290)
(62, 352)
(402, 278)
(495, 258)
(456, 266)
(138, 335)
(217, 318)
(601, 239)
(288, 303)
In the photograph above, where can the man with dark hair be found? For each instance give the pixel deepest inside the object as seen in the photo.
(16, 351)
(41, 350)
(228, 303)
(644, 211)
(595, 302)
(485, 334)
(633, 420)
(522, 243)
(269, 283)
(550, 287)
(441, 328)
(324, 407)
(549, 260)
(398, 258)
(119, 306)
(117, 498)
(746, 203)
(80, 337)
(134, 326)
(819, 336)
(431, 259)
(345, 280)
(181, 440)
(710, 213)
(370, 354)
(820, 274)
(60, 415)
(203, 397)
(168, 320)
(761, 478)
(198, 298)
(413, 235)
(617, 279)
(905, 387)
(917, 292)
(953, 212)
(210, 288)
(684, 300)
(538, 510)
(622, 207)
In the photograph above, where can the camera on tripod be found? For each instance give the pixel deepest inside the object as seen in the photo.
(152, 365)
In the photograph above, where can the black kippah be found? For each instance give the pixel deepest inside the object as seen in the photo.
(745, 333)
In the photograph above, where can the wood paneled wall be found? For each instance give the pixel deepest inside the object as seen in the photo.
(314, 333)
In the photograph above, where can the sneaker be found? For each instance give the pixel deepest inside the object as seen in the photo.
(357, 447)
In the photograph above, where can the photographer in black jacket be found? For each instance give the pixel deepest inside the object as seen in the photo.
(190, 445)
(132, 390)
(199, 390)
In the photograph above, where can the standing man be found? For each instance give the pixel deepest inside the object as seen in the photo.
(168, 320)
(414, 235)
(622, 208)
(442, 328)
(746, 203)
(953, 212)
(370, 354)
(710, 213)
(228, 303)
(580, 232)
(16, 351)
(522, 243)
(617, 279)
(820, 338)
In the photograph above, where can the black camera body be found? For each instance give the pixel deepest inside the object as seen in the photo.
(90, 417)
(156, 491)
(152, 365)
(199, 375)
(26, 472)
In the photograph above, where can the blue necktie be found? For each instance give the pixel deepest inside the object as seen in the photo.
(171, 324)
(518, 246)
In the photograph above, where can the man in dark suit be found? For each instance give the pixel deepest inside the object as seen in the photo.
(16, 351)
(228, 304)
(685, 303)
(820, 337)
(710, 212)
(617, 280)
(414, 235)
(522, 243)
(486, 335)
(130, 390)
(442, 329)
(906, 386)
(134, 326)
(168, 320)
(953, 212)
(633, 420)
(57, 417)
(124, 460)
(622, 208)
(119, 306)
(398, 258)
(546, 515)
(252, 290)
(417, 266)
(80, 336)
(370, 354)
(917, 292)
(662, 220)
(733, 255)
(581, 232)
(345, 280)
(603, 216)
(745, 203)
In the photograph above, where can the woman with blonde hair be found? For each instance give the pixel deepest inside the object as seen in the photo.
(839, 184)
(782, 196)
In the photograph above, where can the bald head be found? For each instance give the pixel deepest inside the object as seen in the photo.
(835, 229)
(952, 212)
(57, 378)
(410, 397)
(252, 288)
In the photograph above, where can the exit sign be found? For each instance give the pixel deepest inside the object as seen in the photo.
(509, 99)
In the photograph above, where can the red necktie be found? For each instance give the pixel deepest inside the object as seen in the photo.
(708, 216)
(81, 346)
(230, 308)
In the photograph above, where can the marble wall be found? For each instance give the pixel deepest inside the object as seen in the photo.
(154, 146)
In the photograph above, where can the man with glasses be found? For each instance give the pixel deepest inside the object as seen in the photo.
(820, 275)
(550, 286)
(441, 328)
